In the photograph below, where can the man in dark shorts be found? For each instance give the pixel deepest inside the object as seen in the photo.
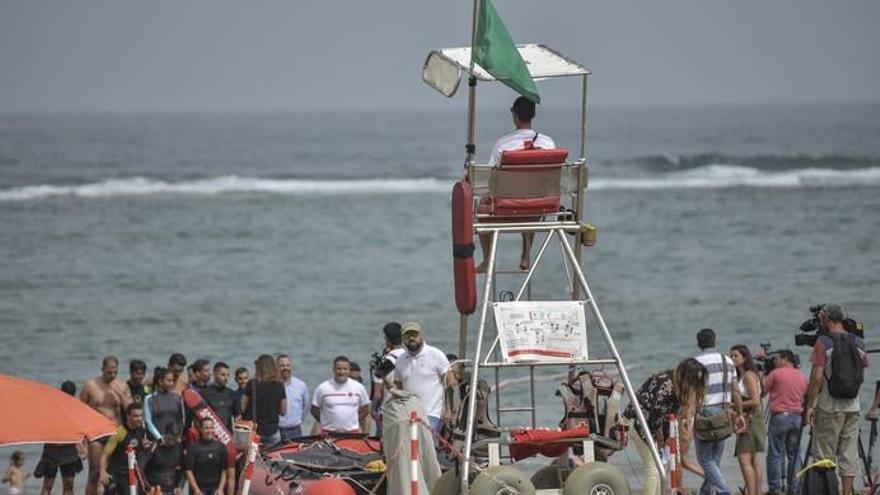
(220, 397)
(108, 395)
(63, 457)
(205, 462)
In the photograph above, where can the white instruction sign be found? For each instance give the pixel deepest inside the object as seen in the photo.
(541, 330)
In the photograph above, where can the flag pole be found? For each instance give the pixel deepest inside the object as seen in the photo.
(472, 92)
(470, 160)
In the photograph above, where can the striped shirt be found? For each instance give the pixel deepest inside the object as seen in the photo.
(717, 392)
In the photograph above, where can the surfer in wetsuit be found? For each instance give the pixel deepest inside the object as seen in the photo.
(137, 372)
(163, 470)
(114, 459)
(522, 137)
(108, 395)
(242, 377)
(205, 462)
(200, 373)
(220, 397)
(163, 407)
(176, 365)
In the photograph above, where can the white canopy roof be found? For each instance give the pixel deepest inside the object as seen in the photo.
(541, 61)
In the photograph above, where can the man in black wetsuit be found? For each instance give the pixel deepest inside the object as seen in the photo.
(242, 376)
(176, 364)
(163, 470)
(114, 460)
(201, 373)
(137, 371)
(205, 462)
(220, 397)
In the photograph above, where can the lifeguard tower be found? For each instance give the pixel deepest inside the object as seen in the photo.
(531, 191)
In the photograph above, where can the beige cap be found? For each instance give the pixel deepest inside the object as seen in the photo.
(410, 327)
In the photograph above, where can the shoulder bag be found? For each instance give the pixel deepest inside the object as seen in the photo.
(715, 427)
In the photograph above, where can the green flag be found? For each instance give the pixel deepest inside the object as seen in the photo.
(495, 51)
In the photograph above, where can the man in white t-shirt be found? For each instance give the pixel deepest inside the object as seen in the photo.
(424, 371)
(522, 137)
(341, 404)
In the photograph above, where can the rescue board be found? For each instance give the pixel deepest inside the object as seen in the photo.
(200, 409)
(463, 247)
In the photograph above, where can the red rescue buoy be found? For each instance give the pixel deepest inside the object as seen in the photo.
(329, 486)
(463, 247)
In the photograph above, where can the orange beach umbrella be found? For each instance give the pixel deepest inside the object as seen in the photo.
(33, 412)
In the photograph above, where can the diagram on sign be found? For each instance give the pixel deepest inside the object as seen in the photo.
(541, 330)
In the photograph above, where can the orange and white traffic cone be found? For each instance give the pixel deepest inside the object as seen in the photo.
(249, 468)
(672, 443)
(132, 475)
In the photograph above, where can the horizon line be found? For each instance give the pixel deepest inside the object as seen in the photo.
(420, 108)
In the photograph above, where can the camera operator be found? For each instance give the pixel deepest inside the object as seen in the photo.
(381, 367)
(839, 360)
(786, 386)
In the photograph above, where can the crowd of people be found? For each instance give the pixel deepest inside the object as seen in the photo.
(174, 446)
(718, 396)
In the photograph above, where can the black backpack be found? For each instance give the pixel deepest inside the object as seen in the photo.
(847, 368)
(819, 482)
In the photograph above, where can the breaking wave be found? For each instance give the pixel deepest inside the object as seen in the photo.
(141, 186)
(728, 176)
(706, 177)
(794, 161)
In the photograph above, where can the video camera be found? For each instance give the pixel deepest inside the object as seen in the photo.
(814, 324)
(380, 365)
(767, 362)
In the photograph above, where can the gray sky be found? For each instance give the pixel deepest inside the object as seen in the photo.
(163, 55)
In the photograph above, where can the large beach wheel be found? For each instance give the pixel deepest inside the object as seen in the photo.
(548, 477)
(502, 480)
(596, 478)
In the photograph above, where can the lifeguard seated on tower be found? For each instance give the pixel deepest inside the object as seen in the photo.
(517, 190)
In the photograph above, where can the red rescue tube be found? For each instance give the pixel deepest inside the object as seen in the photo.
(463, 247)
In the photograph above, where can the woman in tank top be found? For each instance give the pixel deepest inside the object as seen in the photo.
(749, 443)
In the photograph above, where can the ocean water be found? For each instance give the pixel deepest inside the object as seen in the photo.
(224, 236)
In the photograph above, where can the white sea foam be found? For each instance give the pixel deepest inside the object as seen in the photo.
(728, 176)
(140, 186)
(708, 177)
